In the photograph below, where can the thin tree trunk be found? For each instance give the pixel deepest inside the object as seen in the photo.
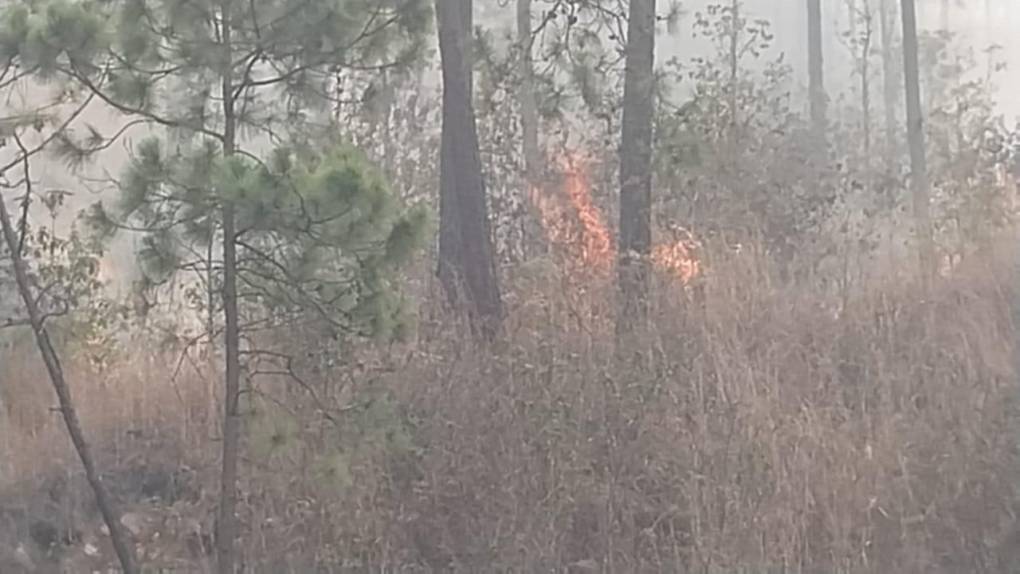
(851, 10)
(866, 78)
(467, 34)
(533, 241)
(816, 81)
(891, 81)
(226, 532)
(915, 137)
(467, 264)
(122, 545)
(635, 167)
(734, 64)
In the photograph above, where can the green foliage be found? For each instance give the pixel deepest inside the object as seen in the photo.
(272, 431)
(372, 432)
(732, 158)
(332, 471)
(47, 35)
(322, 232)
(65, 272)
(972, 151)
(283, 56)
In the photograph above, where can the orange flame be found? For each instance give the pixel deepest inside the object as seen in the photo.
(575, 224)
(678, 258)
(596, 242)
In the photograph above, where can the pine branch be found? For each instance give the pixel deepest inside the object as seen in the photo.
(81, 77)
(29, 153)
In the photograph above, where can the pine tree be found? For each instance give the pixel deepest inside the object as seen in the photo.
(816, 89)
(891, 80)
(635, 166)
(306, 225)
(467, 265)
(528, 103)
(915, 137)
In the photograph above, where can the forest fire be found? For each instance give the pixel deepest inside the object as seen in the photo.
(574, 223)
(678, 258)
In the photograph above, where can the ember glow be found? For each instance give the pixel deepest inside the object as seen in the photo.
(575, 225)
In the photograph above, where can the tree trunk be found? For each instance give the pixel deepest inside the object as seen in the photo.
(865, 57)
(533, 241)
(226, 531)
(915, 139)
(636, 167)
(122, 546)
(467, 267)
(467, 31)
(734, 56)
(816, 85)
(891, 81)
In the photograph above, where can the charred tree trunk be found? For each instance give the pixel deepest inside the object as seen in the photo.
(915, 138)
(816, 80)
(636, 167)
(891, 81)
(122, 545)
(467, 267)
(529, 127)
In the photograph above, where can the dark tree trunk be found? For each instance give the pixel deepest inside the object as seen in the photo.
(636, 167)
(467, 267)
(915, 139)
(533, 242)
(816, 80)
(122, 545)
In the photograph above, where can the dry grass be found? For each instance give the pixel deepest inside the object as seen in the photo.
(753, 429)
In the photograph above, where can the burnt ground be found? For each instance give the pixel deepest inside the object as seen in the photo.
(50, 524)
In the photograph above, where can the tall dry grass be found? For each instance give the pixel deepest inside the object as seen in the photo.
(754, 428)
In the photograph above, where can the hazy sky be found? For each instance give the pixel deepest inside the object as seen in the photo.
(976, 24)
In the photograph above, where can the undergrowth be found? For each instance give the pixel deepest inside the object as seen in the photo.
(753, 428)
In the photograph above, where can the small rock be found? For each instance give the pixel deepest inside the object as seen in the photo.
(23, 559)
(134, 522)
(587, 565)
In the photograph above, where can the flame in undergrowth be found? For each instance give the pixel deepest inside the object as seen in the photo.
(573, 222)
(596, 244)
(576, 225)
(679, 257)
